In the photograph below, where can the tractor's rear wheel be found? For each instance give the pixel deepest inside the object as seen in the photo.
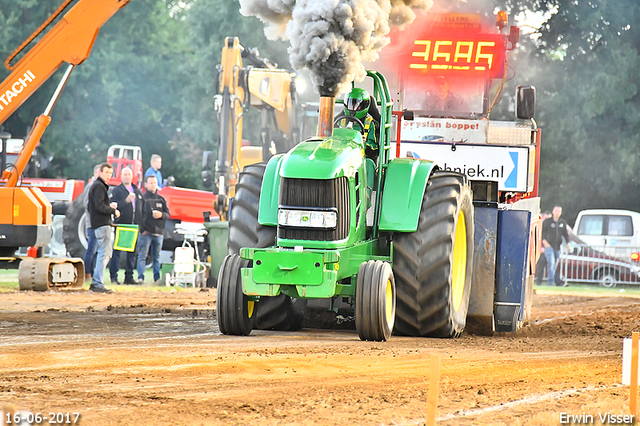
(235, 311)
(244, 229)
(375, 301)
(74, 228)
(273, 313)
(282, 313)
(433, 265)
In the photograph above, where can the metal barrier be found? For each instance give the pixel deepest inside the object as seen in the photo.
(607, 266)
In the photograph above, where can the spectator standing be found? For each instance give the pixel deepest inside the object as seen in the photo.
(553, 229)
(154, 215)
(542, 261)
(100, 211)
(156, 164)
(129, 199)
(90, 254)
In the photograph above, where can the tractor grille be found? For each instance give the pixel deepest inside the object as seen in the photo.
(305, 193)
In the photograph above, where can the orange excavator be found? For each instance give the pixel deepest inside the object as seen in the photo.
(25, 216)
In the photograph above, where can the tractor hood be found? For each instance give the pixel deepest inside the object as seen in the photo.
(338, 155)
(341, 154)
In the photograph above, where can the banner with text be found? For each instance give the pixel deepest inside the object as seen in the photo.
(509, 165)
(424, 129)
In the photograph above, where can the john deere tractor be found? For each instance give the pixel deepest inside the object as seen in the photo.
(299, 228)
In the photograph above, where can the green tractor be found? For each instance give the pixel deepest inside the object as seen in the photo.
(298, 230)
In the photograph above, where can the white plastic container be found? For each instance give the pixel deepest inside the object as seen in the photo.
(183, 260)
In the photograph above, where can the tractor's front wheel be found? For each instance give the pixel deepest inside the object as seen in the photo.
(280, 312)
(375, 301)
(433, 265)
(234, 309)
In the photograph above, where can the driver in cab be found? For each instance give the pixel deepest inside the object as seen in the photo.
(442, 98)
(362, 112)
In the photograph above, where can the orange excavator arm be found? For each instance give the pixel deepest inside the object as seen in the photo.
(70, 40)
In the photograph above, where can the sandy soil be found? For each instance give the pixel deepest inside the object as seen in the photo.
(152, 358)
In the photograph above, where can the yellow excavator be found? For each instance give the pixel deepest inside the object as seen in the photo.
(25, 216)
(258, 84)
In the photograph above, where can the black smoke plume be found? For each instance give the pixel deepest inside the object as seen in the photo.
(332, 38)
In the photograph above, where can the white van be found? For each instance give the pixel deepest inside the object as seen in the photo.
(616, 232)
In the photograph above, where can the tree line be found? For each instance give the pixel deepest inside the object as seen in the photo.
(149, 81)
(151, 78)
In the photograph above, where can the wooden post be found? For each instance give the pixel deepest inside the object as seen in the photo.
(432, 396)
(633, 388)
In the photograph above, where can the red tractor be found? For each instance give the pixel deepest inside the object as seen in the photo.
(186, 205)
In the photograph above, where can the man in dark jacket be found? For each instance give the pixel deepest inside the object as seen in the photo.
(100, 211)
(92, 249)
(129, 200)
(553, 230)
(151, 233)
(541, 266)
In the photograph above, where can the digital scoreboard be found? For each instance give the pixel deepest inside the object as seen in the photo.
(447, 44)
(460, 53)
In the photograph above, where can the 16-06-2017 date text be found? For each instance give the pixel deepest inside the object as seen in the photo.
(27, 418)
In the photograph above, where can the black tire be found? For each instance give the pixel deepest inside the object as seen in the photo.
(282, 313)
(8, 251)
(244, 229)
(234, 309)
(74, 232)
(430, 299)
(212, 282)
(273, 313)
(607, 277)
(375, 301)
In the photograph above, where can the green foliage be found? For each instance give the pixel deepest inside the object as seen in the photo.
(149, 81)
(585, 67)
(128, 91)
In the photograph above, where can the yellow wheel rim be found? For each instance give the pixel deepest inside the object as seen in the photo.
(250, 306)
(389, 303)
(459, 266)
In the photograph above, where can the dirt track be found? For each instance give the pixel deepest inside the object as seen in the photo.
(151, 358)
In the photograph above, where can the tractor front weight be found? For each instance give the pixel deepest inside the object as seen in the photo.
(309, 273)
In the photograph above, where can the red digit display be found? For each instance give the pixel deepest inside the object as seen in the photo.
(459, 53)
(445, 45)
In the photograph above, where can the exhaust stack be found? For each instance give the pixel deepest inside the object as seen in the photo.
(325, 116)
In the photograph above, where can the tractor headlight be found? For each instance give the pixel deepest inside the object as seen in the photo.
(294, 218)
(307, 218)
